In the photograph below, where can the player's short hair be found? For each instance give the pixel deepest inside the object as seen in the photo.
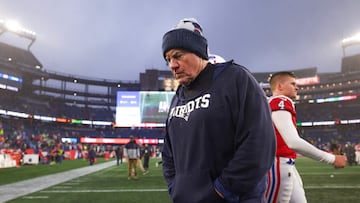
(275, 77)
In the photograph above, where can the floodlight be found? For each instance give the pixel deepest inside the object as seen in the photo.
(351, 40)
(16, 28)
(12, 26)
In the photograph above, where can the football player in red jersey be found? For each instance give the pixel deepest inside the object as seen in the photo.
(284, 181)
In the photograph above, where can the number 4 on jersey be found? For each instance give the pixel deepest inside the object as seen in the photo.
(281, 104)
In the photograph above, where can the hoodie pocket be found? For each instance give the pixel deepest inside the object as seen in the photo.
(195, 187)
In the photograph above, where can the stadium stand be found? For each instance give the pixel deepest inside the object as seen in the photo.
(328, 105)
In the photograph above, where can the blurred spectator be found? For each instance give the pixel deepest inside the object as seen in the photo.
(92, 155)
(146, 156)
(350, 153)
(357, 153)
(119, 154)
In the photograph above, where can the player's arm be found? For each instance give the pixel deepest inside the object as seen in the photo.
(283, 122)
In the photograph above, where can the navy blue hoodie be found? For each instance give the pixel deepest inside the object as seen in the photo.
(219, 134)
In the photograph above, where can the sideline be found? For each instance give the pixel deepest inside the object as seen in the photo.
(21, 188)
(332, 187)
(105, 191)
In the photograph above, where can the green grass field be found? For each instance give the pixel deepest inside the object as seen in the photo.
(111, 184)
(325, 184)
(10, 175)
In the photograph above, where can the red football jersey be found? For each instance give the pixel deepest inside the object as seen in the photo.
(286, 104)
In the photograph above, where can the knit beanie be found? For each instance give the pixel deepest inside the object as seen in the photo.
(187, 35)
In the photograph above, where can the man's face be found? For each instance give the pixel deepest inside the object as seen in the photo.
(289, 87)
(185, 66)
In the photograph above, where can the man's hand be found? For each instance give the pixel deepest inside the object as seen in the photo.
(340, 161)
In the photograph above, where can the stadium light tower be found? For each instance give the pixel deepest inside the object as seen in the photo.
(353, 40)
(15, 28)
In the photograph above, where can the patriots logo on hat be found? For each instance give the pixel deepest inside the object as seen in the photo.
(197, 27)
(190, 24)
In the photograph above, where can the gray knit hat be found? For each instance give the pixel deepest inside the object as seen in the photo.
(187, 35)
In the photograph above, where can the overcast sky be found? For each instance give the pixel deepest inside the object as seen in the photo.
(118, 39)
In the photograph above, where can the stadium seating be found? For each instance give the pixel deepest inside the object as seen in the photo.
(51, 94)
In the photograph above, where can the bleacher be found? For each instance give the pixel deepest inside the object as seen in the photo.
(51, 94)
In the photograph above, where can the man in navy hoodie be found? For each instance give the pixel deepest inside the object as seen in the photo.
(220, 140)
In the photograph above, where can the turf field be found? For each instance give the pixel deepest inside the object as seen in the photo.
(322, 184)
(10, 175)
(325, 184)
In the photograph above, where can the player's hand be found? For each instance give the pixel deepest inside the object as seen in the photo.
(340, 161)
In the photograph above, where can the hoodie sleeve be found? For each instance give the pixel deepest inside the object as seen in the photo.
(254, 140)
(168, 163)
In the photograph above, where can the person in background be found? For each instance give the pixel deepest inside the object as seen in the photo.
(132, 154)
(60, 155)
(146, 156)
(140, 164)
(357, 153)
(284, 181)
(119, 154)
(219, 140)
(349, 151)
(92, 155)
(336, 148)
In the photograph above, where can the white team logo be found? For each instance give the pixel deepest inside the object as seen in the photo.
(214, 59)
(184, 111)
